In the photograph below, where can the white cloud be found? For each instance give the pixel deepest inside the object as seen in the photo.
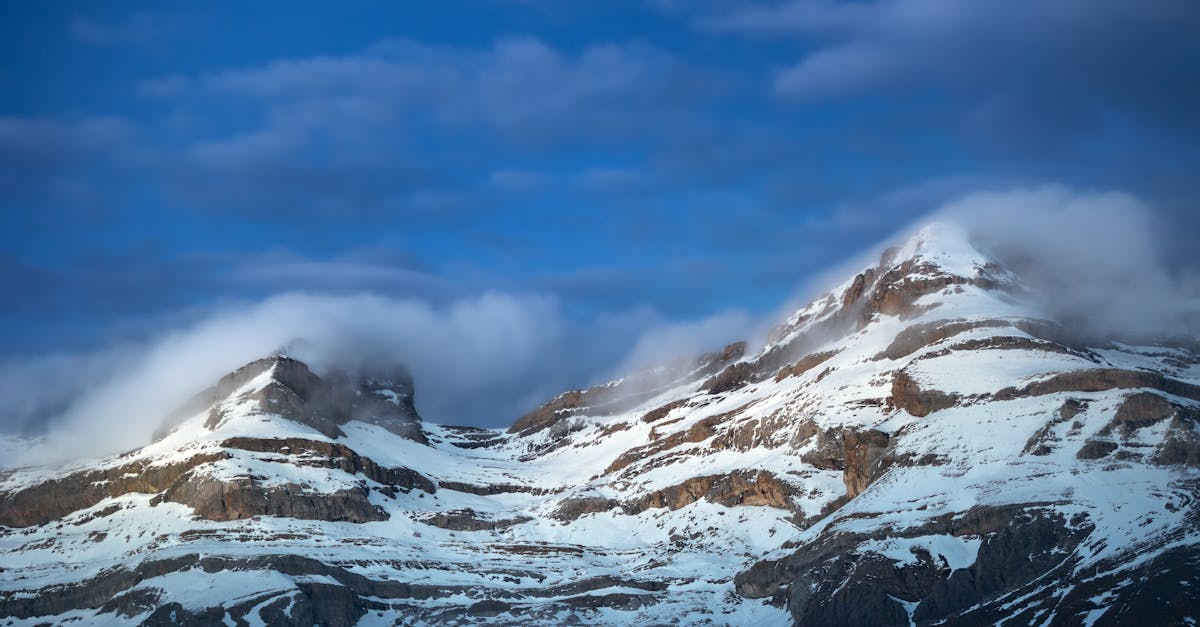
(1094, 258)
(485, 359)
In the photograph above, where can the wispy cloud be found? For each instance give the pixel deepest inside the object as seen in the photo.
(136, 28)
(483, 359)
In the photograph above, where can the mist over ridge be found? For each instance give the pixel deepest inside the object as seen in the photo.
(1091, 259)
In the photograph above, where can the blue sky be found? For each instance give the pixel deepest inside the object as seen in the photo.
(661, 161)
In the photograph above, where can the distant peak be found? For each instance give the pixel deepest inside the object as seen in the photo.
(286, 387)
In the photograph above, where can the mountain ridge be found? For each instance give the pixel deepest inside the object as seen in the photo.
(920, 444)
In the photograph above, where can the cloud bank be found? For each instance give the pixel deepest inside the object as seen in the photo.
(1094, 260)
(480, 360)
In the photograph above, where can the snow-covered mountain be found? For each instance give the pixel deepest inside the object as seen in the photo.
(921, 445)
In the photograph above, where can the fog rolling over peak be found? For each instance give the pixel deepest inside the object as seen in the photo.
(1094, 260)
(923, 441)
(1088, 259)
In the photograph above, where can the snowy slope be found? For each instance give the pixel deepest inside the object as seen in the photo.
(921, 444)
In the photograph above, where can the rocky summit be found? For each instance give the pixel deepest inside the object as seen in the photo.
(921, 445)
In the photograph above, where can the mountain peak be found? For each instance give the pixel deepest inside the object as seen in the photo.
(286, 387)
(936, 263)
(942, 245)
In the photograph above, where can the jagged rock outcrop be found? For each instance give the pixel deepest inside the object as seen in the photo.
(742, 488)
(1041, 443)
(296, 393)
(698, 432)
(913, 338)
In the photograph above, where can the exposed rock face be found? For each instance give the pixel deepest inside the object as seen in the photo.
(334, 455)
(731, 378)
(908, 395)
(1140, 410)
(658, 413)
(561, 406)
(468, 520)
(296, 393)
(840, 581)
(698, 432)
(243, 497)
(734, 489)
(189, 482)
(1100, 380)
(1180, 445)
(1096, 449)
(288, 392)
(340, 604)
(57, 497)
(383, 398)
(804, 365)
(739, 488)
(863, 452)
(572, 508)
(1041, 443)
(918, 336)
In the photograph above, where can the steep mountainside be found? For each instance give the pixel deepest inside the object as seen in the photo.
(918, 446)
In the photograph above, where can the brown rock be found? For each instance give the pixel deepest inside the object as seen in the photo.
(468, 520)
(698, 432)
(59, 496)
(179, 482)
(915, 337)
(863, 451)
(633, 390)
(1101, 380)
(1141, 410)
(244, 498)
(1096, 449)
(751, 488)
(805, 364)
(574, 507)
(908, 395)
(659, 413)
(731, 378)
(1039, 443)
(382, 398)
